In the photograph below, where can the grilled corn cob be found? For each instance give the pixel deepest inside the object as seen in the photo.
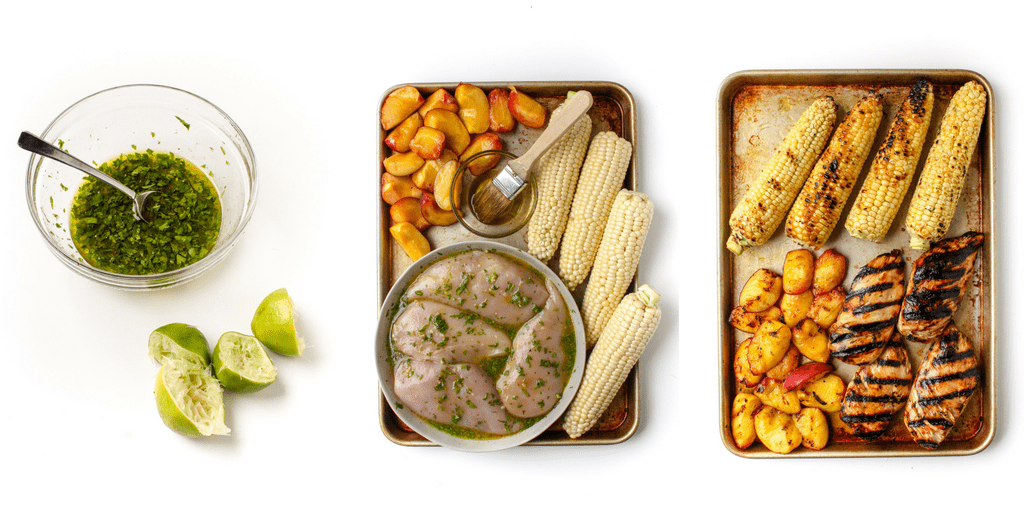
(892, 170)
(629, 330)
(600, 179)
(942, 178)
(556, 178)
(616, 260)
(766, 202)
(817, 209)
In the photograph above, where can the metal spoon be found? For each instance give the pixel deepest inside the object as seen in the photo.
(30, 142)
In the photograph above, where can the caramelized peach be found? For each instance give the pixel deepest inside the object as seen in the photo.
(407, 209)
(428, 143)
(501, 119)
(455, 133)
(441, 99)
(394, 188)
(526, 110)
(399, 138)
(398, 104)
(482, 142)
(433, 213)
(473, 108)
(403, 164)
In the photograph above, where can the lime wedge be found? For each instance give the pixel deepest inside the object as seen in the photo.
(179, 341)
(274, 324)
(189, 399)
(241, 364)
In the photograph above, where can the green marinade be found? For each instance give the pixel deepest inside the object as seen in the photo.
(184, 216)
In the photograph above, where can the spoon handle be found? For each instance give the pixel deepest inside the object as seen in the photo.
(30, 142)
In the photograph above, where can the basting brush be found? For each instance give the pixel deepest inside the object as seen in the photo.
(495, 196)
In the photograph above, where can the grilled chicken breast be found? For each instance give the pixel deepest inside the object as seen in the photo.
(937, 285)
(946, 380)
(878, 390)
(870, 310)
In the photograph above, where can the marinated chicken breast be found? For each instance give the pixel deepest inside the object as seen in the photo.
(432, 331)
(946, 380)
(485, 283)
(870, 310)
(878, 390)
(938, 283)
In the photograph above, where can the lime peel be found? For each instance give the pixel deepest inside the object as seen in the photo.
(274, 324)
(241, 364)
(189, 399)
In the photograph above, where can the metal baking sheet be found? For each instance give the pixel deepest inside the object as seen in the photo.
(755, 111)
(615, 110)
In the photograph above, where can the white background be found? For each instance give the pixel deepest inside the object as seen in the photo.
(303, 79)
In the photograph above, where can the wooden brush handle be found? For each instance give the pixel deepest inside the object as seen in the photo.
(575, 108)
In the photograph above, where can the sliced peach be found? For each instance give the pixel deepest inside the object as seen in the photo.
(501, 117)
(747, 321)
(428, 143)
(407, 209)
(798, 271)
(805, 373)
(482, 142)
(444, 183)
(433, 213)
(455, 133)
(829, 271)
(398, 104)
(526, 110)
(825, 308)
(399, 138)
(403, 164)
(394, 188)
(424, 176)
(410, 240)
(441, 99)
(473, 108)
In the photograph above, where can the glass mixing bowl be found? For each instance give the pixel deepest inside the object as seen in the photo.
(134, 118)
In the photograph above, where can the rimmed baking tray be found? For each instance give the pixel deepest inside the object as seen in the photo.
(615, 110)
(755, 111)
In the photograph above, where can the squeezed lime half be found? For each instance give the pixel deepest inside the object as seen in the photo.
(274, 324)
(189, 399)
(241, 364)
(179, 341)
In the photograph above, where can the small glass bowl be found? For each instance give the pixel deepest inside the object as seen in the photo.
(517, 215)
(134, 118)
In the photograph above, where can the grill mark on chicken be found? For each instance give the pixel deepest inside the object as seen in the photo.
(877, 391)
(937, 286)
(870, 310)
(948, 377)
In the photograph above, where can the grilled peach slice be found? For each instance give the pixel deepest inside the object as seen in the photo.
(829, 271)
(501, 117)
(394, 188)
(526, 110)
(769, 346)
(403, 164)
(428, 143)
(776, 430)
(747, 321)
(761, 291)
(741, 366)
(789, 363)
(441, 99)
(795, 307)
(825, 393)
(407, 209)
(399, 138)
(398, 105)
(433, 213)
(813, 427)
(798, 271)
(456, 136)
(825, 308)
(482, 142)
(811, 340)
(771, 393)
(473, 108)
(743, 408)
(805, 373)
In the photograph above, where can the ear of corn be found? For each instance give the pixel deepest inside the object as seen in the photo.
(821, 201)
(616, 261)
(942, 178)
(555, 179)
(765, 204)
(629, 329)
(892, 170)
(600, 179)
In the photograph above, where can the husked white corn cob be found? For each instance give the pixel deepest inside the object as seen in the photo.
(629, 330)
(942, 178)
(555, 179)
(600, 179)
(765, 204)
(616, 261)
(892, 170)
(821, 201)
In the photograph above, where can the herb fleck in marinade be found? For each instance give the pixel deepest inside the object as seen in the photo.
(184, 216)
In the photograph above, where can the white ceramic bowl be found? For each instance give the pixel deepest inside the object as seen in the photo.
(386, 375)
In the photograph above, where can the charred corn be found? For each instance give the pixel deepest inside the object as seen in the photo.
(765, 204)
(600, 179)
(616, 261)
(821, 201)
(942, 178)
(629, 330)
(892, 170)
(555, 179)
